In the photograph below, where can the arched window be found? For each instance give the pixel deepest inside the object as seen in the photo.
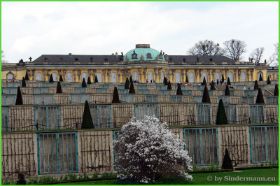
(230, 76)
(134, 55)
(38, 76)
(243, 76)
(135, 76)
(191, 77)
(149, 56)
(99, 77)
(178, 77)
(69, 77)
(113, 77)
(150, 76)
(54, 75)
(161, 76)
(84, 75)
(10, 76)
(218, 76)
(203, 75)
(260, 74)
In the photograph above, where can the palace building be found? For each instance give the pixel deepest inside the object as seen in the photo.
(143, 63)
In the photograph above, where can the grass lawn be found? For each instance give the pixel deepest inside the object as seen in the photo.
(236, 177)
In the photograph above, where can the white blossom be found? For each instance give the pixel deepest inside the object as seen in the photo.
(147, 151)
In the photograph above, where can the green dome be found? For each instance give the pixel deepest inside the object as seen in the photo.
(143, 52)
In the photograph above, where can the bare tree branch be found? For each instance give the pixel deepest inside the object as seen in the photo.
(257, 54)
(234, 49)
(206, 47)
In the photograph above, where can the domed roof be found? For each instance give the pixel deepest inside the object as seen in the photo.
(143, 52)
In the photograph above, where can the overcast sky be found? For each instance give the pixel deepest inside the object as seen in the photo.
(33, 29)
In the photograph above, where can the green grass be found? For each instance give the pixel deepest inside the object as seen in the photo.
(212, 178)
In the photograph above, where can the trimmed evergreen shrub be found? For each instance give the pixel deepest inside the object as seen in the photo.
(116, 96)
(87, 119)
(130, 79)
(260, 99)
(179, 90)
(126, 85)
(217, 81)
(60, 78)
(165, 82)
(276, 90)
(227, 92)
(223, 78)
(23, 83)
(26, 76)
(205, 97)
(212, 85)
(260, 77)
(88, 80)
(84, 84)
(19, 100)
(169, 87)
(131, 88)
(204, 82)
(187, 79)
(268, 80)
(221, 117)
(58, 88)
(256, 86)
(227, 163)
(51, 79)
(95, 79)
(228, 81)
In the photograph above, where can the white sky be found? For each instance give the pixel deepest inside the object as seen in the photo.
(33, 29)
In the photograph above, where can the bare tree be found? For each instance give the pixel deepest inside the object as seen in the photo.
(274, 57)
(206, 47)
(234, 49)
(257, 54)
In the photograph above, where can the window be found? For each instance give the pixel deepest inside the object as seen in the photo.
(177, 77)
(243, 76)
(69, 77)
(191, 77)
(149, 56)
(84, 75)
(230, 76)
(38, 76)
(113, 77)
(134, 55)
(10, 76)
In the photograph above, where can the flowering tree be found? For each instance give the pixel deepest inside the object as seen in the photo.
(147, 151)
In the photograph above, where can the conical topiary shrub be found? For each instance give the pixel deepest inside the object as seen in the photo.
(126, 85)
(260, 77)
(223, 78)
(87, 119)
(212, 85)
(130, 79)
(19, 100)
(204, 82)
(58, 88)
(116, 96)
(26, 76)
(221, 117)
(51, 79)
(165, 82)
(131, 88)
(95, 79)
(23, 83)
(227, 92)
(260, 99)
(169, 87)
(205, 97)
(217, 81)
(60, 78)
(276, 90)
(187, 79)
(84, 84)
(227, 163)
(179, 90)
(268, 80)
(88, 80)
(256, 86)
(228, 81)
